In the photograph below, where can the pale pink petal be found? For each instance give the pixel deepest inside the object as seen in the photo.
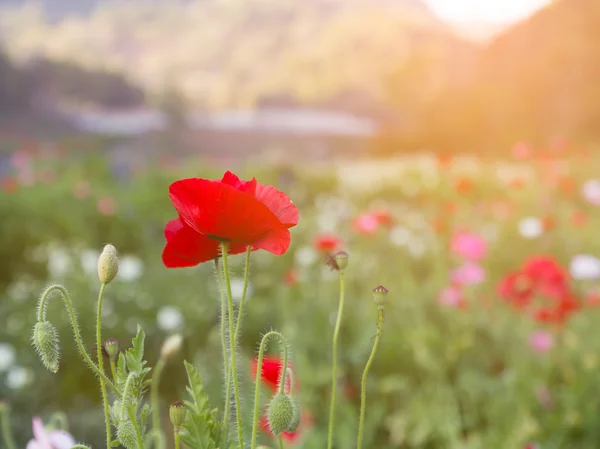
(61, 440)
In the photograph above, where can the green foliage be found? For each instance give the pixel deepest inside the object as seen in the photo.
(129, 414)
(202, 429)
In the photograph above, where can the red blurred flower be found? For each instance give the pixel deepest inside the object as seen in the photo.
(9, 185)
(327, 243)
(548, 223)
(383, 217)
(291, 277)
(542, 287)
(241, 213)
(464, 185)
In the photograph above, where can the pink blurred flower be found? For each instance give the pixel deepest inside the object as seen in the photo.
(366, 223)
(107, 205)
(468, 245)
(451, 296)
(81, 190)
(468, 274)
(44, 439)
(521, 150)
(541, 341)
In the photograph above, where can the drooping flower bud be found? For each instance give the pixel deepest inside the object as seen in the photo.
(177, 414)
(297, 415)
(46, 343)
(341, 259)
(111, 348)
(108, 264)
(171, 346)
(380, 295)
(126, 434)
(280, 413)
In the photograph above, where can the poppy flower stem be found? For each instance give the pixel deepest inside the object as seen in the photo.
(233, 354)
(69, 306)
(290, 375)
(261, 352)
(280, 442)
(363, 386)
(224, 343)
(101, 365)
(9, 440)
(336, 333)
(154, 400)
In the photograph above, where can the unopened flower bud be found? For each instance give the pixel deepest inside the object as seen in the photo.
(380, 295)
(341, 259)
(177, 414)
(171, 346)
(280, 413)
(46, 343)
(126, 434)
(111, 348)
(297, 416)
(108, 264)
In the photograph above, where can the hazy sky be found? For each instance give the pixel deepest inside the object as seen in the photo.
(485, 10)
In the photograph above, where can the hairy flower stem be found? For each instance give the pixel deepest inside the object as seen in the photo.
(336, 333)
(226, 371)
(9, 440)
(154, 400)
(363, 385)
(113, 369)
(101, 365)
(261, 353)
(280, 442)
(176, 438)
(69, 306)
(233, 355)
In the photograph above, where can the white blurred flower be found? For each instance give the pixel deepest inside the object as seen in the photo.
(400, 236)
(585, 267)
(591, 191)
(306, 256)
(59, 262)
(531, 227)
(17, 377)
(89, 261)
(130, 268)
(417, 248)
(237, 288)
(169, 318)
(7, 356)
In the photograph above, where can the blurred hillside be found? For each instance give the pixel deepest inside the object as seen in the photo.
(537, 81)
(237, 54)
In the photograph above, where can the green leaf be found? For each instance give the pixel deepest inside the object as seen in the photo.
(201, 431)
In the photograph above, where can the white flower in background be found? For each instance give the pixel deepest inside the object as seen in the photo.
(237, 288)
(591, 191)
(531, 227)
(169, 318)
(400, 236)
(130, 268)
(59, 262)
(306, 256)
(89, 261)
(7, 356)
(17, 377)
(585, 267)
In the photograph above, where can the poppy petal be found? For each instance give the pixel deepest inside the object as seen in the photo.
(235, 182)
(278, 203)
(276, 242)
(223, 213)
(172, 228)
(186, 247)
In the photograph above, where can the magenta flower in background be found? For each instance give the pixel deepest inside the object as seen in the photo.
(541, 341)
(54, 439)
(451, 296)
(468, 274)
(468, 245)
(366, 223)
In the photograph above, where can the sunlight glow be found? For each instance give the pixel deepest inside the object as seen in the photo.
(498, 11)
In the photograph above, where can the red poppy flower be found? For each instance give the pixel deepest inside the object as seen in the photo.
(383, 217)
(327, 243)
(547, 275)
(270, 373)
(241, 213)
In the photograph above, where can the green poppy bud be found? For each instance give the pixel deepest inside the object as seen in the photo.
(46, 343)
(280, 413)
(297, 415)
(108, 264)
(126, 434)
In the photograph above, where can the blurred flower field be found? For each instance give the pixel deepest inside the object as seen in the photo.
(493, 268)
